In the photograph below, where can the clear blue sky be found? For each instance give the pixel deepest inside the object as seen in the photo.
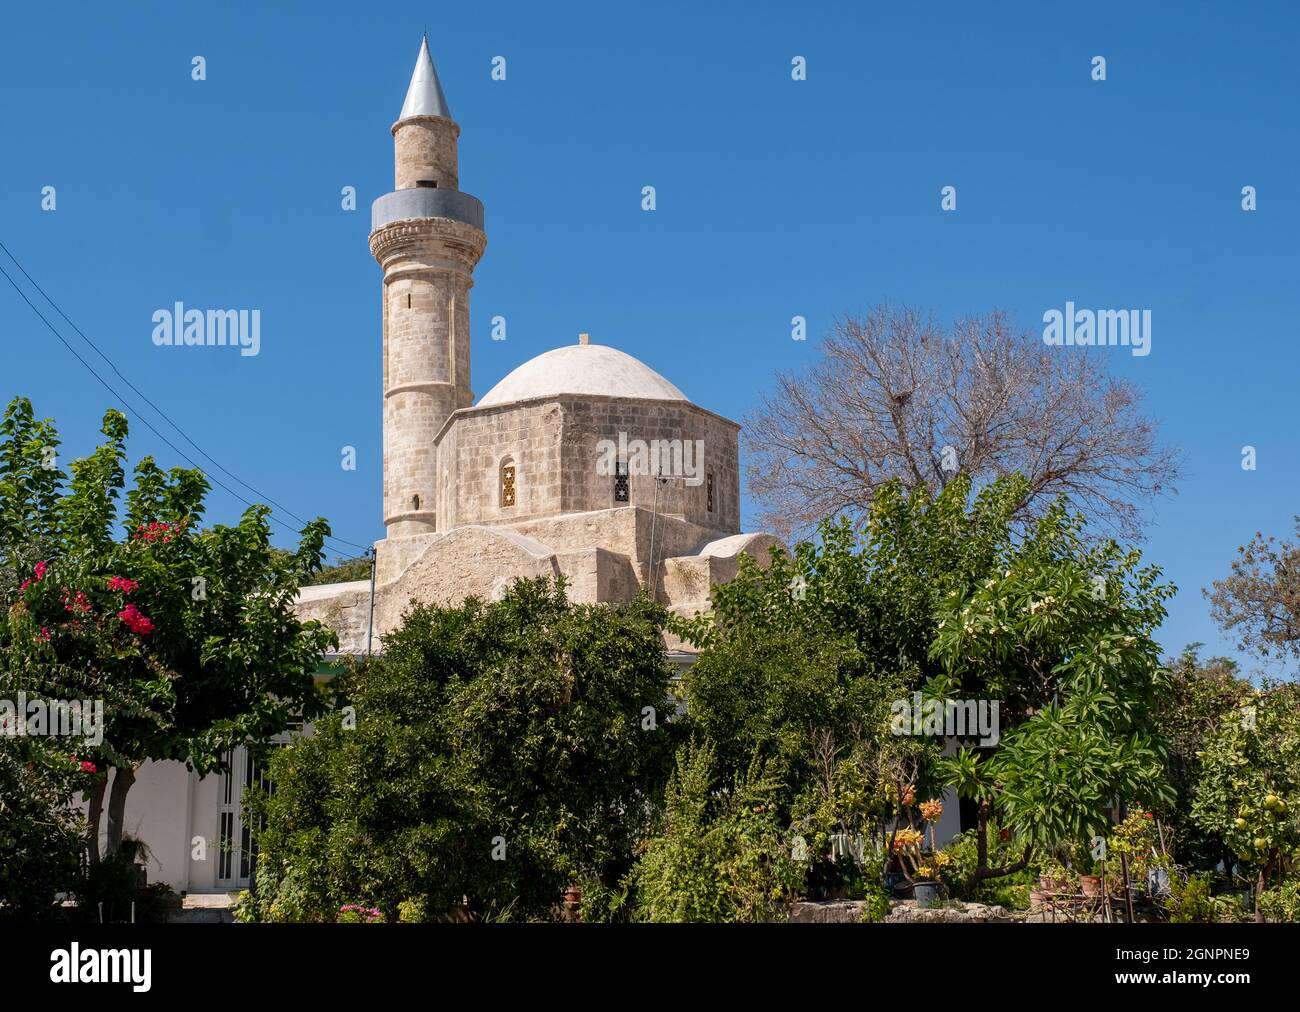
(775, 198)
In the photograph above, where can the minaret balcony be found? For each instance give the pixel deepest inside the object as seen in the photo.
(426, 202)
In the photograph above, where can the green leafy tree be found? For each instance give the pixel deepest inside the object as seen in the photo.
(117, 593)
(1248, 793)
(802, 661)
(42, 838)
(1200, 696)
(500, 753)
(1062, 632)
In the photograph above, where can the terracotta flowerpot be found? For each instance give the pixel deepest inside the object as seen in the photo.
(1090, 885)
(1051, 884)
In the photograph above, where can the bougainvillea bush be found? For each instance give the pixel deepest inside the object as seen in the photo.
(116, 592)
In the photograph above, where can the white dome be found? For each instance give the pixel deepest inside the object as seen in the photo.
(592, 369)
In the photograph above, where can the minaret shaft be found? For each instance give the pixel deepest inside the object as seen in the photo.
(427, 237)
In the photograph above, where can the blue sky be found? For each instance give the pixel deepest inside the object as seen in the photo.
(775, 198)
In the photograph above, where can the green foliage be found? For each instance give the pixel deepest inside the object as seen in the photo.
(342, 571)
(518, 728)
(958, 863)
(1191, 902)
(41, 834)
(1200, 697)
(1248, 793)
(1282, 903)
(801, 661)
(115, 592)
(204, 650)
(721, 855)
(875, 906)
(1062, 632)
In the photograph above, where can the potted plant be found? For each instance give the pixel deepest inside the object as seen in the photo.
(927, 890)
(1053, 876)
(1090, 881)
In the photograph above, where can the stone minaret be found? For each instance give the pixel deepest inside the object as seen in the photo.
(427, 237)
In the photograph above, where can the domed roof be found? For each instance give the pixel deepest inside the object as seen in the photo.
(593, 369)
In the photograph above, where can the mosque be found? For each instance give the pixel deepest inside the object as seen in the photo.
(521, 482)
(583, 463)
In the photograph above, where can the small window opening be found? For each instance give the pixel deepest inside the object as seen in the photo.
(708, 484)
(621, 491)
(507, 485)
(428, 184)
(415, 502)
(408, 300)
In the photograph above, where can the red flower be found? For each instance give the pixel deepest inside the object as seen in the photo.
(79, 605)
(88, 767)
(123, 584)
(44, 635)
(135, 620)
(41, 567)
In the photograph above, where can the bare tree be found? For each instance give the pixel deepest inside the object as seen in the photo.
(897, 396)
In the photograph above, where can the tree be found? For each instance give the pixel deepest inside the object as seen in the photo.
(41, 833)
(1248, 792)
(1200, 696)
(1062, 633)
(1259, 601)
(896, 397)
(188, 634)
(500, 753)
(801, 662)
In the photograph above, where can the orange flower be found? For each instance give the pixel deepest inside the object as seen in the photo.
(931, 810)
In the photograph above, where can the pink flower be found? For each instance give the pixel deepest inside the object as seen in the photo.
(41, 567)
(135, 620)
(88, 767)
(44, 635)
(123, 584)
(79, 605)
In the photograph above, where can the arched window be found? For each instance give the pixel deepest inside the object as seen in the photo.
(507, 496)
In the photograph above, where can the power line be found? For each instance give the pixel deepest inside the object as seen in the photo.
(159, 411)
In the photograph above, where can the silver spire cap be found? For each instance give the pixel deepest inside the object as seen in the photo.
(424, 97)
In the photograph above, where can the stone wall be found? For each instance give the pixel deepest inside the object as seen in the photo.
(424, 149)
(554, 446)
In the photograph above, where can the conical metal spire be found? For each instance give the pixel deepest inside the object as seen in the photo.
(424, 97)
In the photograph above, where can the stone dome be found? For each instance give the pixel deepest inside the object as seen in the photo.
(591, 369)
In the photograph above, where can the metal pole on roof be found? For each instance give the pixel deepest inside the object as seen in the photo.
(370, 627)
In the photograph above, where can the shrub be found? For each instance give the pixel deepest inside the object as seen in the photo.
(1282, 904)
(721, 854)
(500, 752)
(1191, 902)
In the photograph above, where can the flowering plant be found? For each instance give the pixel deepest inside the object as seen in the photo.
(355, 913)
